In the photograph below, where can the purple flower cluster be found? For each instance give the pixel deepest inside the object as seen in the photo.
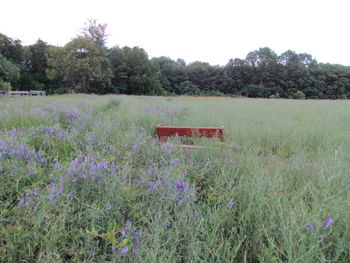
(133, 236)
(20, 152)
(13, 133)
(326, 224)
(30, 198)
(168, 183)
(54, 191)
(83, 173)
(77, 116)
(50, 131)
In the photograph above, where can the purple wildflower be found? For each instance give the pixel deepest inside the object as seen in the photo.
(125, 250)
(327, 223)
(137, 236)
(123, 232)
(50, 186)
(325, 239)
(229, 204)
(22, 202)
(109, 207)
(309, 227)
(60, 189)
(175, 162)
(181, 186)
(135, 250)
(57, 166)
(128, 225)
(155, 185)
(182, 174)
(51, 196)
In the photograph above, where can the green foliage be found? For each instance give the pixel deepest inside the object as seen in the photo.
(8, 70)
(299, 95)
(86, 65)
(11, 49)
(5, 85)
(33, 68)
(82, 65)
(133, 72)
(188, 88)
(171, 74)
(106, 193)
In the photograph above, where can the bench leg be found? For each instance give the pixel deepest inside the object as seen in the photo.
(162, 139)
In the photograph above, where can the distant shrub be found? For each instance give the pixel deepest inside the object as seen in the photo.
(59, 91)
(255, 91)
(274, 96)
(5, 85)
(188, 88)
(299, 95)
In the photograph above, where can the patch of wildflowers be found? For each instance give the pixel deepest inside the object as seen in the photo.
(133, 236)
(30, 198)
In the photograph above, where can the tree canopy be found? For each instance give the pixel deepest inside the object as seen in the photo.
(86, 65)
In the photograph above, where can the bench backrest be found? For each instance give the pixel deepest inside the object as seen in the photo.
(27, 93)
(171, 131)
(37, 92)
(18, 93)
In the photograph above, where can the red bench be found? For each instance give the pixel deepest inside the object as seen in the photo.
(172, 131)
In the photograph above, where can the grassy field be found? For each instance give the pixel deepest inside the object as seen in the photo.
(83, 179)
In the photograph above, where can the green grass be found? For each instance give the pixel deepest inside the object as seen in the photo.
(284, 164)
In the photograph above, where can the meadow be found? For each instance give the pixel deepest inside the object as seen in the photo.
(84, 179)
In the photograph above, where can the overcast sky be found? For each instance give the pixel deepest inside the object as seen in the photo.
(211, 31)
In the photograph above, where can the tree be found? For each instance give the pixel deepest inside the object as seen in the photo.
(204, 76)
(133, 72)
(34, 66)
(172, 73)
(82, 65)
(11, 49)
(237, 74)
(95, 32)
(8, 72)
(264, 68)
(295, 74)
(188, 88)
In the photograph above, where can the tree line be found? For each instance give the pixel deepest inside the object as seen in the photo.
(87, 65)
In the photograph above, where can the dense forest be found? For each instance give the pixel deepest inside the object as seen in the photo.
(87, 65)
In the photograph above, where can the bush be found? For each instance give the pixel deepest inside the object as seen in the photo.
(255, 91)
(5, 85)
(299, 95)
(188, 88)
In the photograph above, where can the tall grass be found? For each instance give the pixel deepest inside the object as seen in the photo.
(83, 179)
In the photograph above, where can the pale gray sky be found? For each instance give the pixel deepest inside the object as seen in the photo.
(211, 31)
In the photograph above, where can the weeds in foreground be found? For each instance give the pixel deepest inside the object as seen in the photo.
(88, 182)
